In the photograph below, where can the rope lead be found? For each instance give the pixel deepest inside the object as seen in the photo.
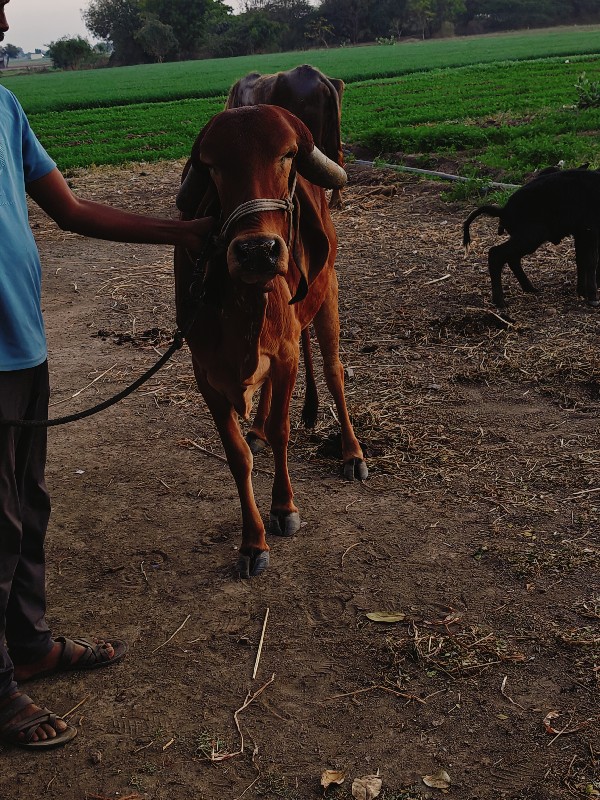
(177, 344)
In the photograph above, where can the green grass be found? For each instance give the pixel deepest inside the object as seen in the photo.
(502, 119)
(508, 118)
(55, 91)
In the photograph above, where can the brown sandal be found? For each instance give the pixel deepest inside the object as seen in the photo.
(95, 656)
(9, 733)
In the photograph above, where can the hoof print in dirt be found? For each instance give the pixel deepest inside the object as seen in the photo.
(253, 565)
(284, 524)
(356, 468)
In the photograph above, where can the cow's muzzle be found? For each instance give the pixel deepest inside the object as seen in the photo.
(257, 259)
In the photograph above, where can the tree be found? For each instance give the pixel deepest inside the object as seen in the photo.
(245, 34)
(10, 51)
(421, 14)
(319, 31)
(189, 20)
(70, 52)
(349, 18)
(504, 14)
(482, 15)
(156, 38)
(117, 21)
(447, 12)
(294, 16)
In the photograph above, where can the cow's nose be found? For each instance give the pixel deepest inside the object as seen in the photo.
(258, 255)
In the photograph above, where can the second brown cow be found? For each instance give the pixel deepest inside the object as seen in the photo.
(310, 95)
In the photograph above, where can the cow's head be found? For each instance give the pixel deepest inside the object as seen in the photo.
(249, 154)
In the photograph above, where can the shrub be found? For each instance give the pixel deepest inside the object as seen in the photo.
(588, 92)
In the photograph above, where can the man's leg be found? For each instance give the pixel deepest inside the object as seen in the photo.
(23, 394)
(27, 633)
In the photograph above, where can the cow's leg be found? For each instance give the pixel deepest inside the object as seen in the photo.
(254, 550)
(284, 518)
(327, 328)
(586, 255)
(336, 199)
(256, 436)
(311, 397)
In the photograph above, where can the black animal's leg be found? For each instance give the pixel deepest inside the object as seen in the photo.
(586, 255)
(526, 284)
(496, 260)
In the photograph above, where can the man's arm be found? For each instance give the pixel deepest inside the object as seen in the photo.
(100, 221)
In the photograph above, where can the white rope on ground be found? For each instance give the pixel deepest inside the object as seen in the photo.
(444, 175)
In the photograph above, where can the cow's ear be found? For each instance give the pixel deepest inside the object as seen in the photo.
(195, 179)
(193, 188)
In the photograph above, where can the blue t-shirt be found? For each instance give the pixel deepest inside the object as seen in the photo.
(22, 160)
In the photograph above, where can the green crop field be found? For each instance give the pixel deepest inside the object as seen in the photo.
(500, 105)
(209, 78)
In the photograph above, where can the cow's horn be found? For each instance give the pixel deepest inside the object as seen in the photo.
(190, 191)
(317, 168)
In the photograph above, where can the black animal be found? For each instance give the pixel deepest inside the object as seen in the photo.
(552, 206)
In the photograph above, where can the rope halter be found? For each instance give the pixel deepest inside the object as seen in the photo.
(262, 204)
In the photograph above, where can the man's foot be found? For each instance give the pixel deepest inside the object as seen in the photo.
(68, 655)
(25, 724)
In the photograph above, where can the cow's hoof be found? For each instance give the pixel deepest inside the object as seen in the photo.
(255, 443)
(253, 565)
(284, 523)
(356, 468)
(593, 303)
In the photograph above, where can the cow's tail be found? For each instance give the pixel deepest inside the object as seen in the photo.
(491, 211)
(232, 97)
(311, 396)
(336, 103)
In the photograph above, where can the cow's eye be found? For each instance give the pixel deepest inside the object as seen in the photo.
(290, 154)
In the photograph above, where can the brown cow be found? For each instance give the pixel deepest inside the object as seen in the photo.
(311, 96)
(270, 273)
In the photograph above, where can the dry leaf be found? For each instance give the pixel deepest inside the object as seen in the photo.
(551, 715)
(548, 721)
(441, 780)
(386, 616)
(367, 787)
(330, 776)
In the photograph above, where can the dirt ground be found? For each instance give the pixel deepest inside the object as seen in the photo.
(478, 529)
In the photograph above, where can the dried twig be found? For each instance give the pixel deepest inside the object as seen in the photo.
(260, 644)
(172, 636)
(371, 689)
(347, 550)
(248, 701)
(80, 703)
(504, 694)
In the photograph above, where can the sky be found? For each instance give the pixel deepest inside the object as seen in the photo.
(36, 23)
